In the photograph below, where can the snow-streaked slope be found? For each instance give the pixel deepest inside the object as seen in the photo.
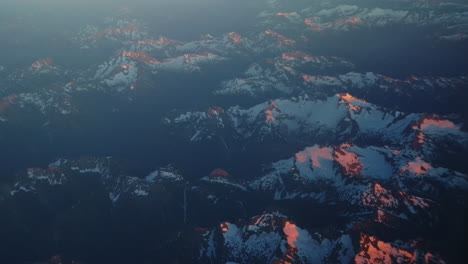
(312, 120)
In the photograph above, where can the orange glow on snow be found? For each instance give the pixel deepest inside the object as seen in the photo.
(349, 99)
(354, 107)
(314, 26)
(440, 123)
(219, 172)
(352, 20)
(414, 200)
(378, 188)
(419, 140)
(295, 55)
(215, 110)
(307, 77)
(199, 55)
(380, 216)
(132, 86)
(289, 69)
(433, 120)
(281, 39)
(224, 226)
(236, 38)
(269, 111)
(378, 196)
(390, 79)
(269, 116)
(373, 250)
(281, 14)
(290, 230)
(314, 153)
(418, 166)
(125, 67)
(395, 151)
(410, 79)
(348, 160)
(317, 27)
(40, 63)
(262, 219)
(140, 56)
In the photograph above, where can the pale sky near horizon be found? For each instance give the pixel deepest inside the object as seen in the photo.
(82, 7)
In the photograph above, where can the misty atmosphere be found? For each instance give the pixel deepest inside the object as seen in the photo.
(222, 131)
